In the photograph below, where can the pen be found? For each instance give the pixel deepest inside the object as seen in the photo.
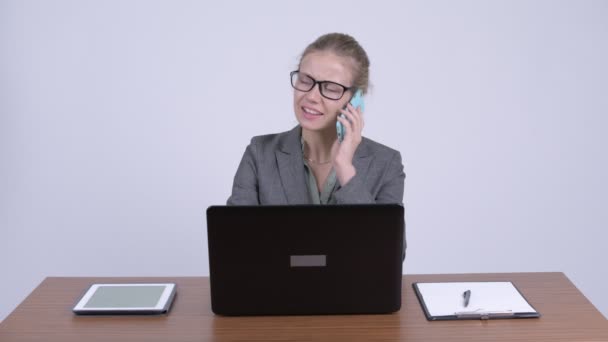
(467, 296)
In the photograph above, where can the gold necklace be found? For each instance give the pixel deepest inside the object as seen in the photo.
(316, 162)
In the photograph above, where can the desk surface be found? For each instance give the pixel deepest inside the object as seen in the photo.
(45, 315)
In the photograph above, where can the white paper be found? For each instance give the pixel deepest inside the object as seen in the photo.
(446, 299)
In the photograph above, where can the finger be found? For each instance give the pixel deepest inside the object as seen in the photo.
(348, 127)
(346, 122)
(350, 130)
(355, 118)
(356, 112)
(351, 113)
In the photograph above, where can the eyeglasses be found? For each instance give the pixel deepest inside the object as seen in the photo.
(328, 89)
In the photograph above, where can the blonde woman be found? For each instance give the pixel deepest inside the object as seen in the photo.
(307, 164)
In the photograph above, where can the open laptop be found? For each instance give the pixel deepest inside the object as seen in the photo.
(305, 259)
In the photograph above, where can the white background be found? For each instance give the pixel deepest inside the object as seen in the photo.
(122, 121)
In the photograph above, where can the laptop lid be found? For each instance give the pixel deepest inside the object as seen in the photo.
(305, 259)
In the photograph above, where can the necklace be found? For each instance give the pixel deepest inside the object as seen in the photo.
(316, 162)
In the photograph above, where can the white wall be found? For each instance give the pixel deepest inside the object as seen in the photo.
(121, 121)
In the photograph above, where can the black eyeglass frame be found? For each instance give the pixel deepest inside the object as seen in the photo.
(320, 83)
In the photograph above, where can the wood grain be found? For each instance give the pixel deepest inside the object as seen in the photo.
(46, 315)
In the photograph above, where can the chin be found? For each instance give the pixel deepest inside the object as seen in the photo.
(308, 124)
(317, 126)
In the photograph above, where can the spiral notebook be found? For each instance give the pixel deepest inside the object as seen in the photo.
(486, 300)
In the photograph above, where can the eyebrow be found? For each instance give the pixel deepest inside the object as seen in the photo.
(309, 75)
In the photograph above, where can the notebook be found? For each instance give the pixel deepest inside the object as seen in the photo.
(448, 300)
(305, 259)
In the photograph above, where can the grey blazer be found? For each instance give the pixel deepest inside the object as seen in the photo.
(272, 172)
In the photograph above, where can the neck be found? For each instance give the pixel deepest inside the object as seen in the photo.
(317, 144)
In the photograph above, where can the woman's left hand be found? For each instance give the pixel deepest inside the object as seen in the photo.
(344, 152)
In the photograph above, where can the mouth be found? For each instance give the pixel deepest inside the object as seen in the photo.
(309, 112)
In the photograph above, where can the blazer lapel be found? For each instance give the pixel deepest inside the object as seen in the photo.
(291, 168)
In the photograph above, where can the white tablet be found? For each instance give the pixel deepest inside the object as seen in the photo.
(112, 299)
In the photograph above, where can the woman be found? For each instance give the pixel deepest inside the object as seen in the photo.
(308, 165)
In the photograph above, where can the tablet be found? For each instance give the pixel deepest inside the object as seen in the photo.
(126, 299)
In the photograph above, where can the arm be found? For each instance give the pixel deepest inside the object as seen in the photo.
(390, 191)
(245, 186)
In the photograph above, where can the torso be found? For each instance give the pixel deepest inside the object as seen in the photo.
(321, 171)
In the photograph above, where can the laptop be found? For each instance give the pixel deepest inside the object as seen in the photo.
(305, 259)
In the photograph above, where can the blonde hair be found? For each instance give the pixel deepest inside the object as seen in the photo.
(345, 46)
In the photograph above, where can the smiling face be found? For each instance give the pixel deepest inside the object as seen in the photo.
(313, 111)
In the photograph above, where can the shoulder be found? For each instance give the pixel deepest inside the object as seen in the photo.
(284, 141)
(268, 139)
(371, 147)
(384, 160)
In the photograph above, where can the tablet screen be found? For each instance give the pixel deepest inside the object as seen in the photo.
(125, 296)
(126, 299)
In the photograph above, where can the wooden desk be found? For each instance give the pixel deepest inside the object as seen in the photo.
(46, 316)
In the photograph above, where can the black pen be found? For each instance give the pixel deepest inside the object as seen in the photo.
(467, 296)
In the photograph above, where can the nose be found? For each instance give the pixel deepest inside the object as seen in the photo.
(314, 94)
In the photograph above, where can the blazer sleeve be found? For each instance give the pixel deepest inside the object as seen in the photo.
(390, 189)
(245, 185)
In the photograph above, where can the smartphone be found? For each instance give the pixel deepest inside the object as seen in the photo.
(357, 102)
